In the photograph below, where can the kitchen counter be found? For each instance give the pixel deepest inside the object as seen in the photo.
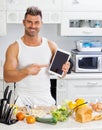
(70, 124)
(74, 75)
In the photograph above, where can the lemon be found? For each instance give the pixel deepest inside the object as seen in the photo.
(80, 101)
(71, 105)
(15, 108)
(15, 111)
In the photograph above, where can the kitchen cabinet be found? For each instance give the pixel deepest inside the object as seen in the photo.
(50, 10)
(2, 4)
(79, 85)
(81, 18)
(2, 23)
(82, 5)
(1, 88)
(2, 17)
(81, 24)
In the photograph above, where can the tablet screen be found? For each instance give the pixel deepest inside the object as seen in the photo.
(59, 59)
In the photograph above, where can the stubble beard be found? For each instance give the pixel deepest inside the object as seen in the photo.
(33, 33)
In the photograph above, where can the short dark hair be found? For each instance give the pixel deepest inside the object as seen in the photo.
(33, 11)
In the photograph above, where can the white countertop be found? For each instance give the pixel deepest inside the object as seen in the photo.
(73, 75)
(70, 124)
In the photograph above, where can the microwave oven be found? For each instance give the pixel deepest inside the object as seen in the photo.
(87, 61)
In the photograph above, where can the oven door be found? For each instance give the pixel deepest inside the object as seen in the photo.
(88, 63)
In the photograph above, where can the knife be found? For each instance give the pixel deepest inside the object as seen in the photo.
(6, 92)
(3, 108)
(9, 112)
(9, 97)
(5, 102)
(8, 119)
(2, 105)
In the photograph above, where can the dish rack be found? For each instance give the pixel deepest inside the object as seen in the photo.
(82, 45)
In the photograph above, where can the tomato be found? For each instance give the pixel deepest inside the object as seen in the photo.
(20, 116)
(30, 119)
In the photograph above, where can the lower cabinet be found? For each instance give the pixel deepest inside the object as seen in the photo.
(1, 88)
(70, 89)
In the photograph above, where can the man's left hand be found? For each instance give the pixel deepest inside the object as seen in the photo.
(65, 68)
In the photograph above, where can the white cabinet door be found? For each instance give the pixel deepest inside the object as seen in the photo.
(2, 17)
(90, 89)
(61, 91)
(2, 23)
(82, 5)
(1, 88)
(71, 89)
(81, 24)
(2, 4)
(50, 10)
(49, 5)
(48, 16)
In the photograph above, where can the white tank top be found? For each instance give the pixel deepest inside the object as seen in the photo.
(34, 89)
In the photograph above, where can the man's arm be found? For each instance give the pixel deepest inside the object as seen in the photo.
(53, 47)
(11, 73)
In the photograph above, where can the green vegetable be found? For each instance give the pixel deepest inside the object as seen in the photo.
(51, 120)
(61, 114)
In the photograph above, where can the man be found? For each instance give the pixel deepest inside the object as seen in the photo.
(27, 62)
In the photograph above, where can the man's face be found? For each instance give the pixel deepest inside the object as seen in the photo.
(32, 25)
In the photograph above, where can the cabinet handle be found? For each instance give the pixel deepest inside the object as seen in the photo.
(75, 2)
(11, 1)
(53, 1)
(92, 84)
(87, 32)
(89, 84)
(61, 86)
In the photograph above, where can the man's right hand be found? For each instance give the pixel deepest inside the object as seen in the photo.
(34, 69)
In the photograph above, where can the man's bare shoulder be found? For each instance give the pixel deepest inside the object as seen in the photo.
(52, 43)
(12, 49)
(12, 46)
(53, 46)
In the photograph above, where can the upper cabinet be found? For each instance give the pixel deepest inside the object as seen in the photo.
(50, 5)
(82, 5)
(2, 17)
(2, 4)
(51, 10)
(81, 24)
(81, 18)
(2, 23)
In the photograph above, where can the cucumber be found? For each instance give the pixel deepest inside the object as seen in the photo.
(50, 120)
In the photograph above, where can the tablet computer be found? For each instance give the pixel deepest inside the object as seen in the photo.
(58, 60)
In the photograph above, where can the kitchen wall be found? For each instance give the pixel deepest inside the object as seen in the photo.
(14, 31)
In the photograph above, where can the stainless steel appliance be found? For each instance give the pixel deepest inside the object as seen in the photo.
(87, 61)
